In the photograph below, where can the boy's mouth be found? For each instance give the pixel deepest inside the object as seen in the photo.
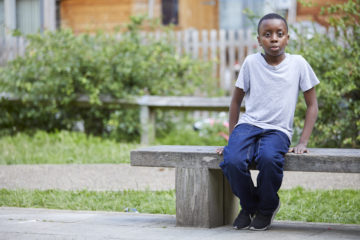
(275, 48)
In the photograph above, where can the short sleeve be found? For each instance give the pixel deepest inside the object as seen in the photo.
(308, 78)
(243, 80)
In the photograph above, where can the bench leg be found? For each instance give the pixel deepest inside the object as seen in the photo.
(231, 204)
(199, 197)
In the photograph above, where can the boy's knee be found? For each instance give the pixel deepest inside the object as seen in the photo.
(234, 162)
(270, 160)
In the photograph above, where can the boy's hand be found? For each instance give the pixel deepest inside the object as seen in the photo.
(220, 151)
(299, 149)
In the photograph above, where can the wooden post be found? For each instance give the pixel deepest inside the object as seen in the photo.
(223, 46)
(147, 121)
(213, 46)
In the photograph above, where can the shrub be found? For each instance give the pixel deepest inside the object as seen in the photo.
(336, 62)
(60, 66)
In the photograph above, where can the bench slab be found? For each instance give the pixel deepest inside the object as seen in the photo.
(317, 160)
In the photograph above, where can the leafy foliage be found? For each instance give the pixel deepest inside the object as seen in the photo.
(336, 61)
(60, 66)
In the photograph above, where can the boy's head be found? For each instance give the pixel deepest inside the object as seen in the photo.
(272, 16)
(273, 34)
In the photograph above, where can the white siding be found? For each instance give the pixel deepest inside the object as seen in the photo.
(2, 19)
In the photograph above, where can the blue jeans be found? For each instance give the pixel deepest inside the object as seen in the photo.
(266, 147)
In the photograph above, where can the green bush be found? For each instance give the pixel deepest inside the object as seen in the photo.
(60, 66)
(336, 61)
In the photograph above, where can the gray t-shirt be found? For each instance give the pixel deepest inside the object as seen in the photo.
(271, 92)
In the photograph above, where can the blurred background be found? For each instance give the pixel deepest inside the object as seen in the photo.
(54, 52)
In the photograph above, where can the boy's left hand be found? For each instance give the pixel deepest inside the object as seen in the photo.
(299, 149)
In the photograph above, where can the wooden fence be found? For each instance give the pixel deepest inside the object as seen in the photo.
(226, 49)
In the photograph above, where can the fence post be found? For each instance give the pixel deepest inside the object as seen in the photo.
(222, 57)
(147, 121)
(213, 46)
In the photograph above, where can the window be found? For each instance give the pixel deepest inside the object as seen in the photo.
(2, 19)
(232, 16)
(28, 16)
(169, 10)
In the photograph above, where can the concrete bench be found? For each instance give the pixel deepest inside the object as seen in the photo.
(203, 196)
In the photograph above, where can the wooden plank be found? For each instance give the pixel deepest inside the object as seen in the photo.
(185, 102)
(175, 102)
(222, 50)
(179, 43)
(241, 46)
(213, 50)
(195, 43)
(249, 42)
(231, 59)
(318, 160)
(186, 41)
(204, 45)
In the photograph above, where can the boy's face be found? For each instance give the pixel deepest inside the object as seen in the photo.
(273, 36)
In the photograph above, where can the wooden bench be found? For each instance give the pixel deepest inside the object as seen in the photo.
(203, 196)
(148, 105)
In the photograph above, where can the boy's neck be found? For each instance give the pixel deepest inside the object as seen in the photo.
(273, 60)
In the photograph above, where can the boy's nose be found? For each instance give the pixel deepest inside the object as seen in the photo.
(274, 38)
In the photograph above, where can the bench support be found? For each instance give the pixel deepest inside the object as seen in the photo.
(203, 198)
(147, 120)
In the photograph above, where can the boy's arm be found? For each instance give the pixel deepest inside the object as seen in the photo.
(310, 118)
(234, 111)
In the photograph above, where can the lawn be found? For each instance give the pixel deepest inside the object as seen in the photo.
(62, 148)
(331, 206)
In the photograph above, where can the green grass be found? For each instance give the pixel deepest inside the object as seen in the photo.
(161, 202)
(336, 206)
(191, 137)
(62, 148)
(333, 206)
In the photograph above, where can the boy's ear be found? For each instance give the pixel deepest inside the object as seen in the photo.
(258, 38)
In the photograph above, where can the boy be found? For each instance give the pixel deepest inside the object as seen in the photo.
(270, 83)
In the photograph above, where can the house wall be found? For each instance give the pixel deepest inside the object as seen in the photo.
(199, 14)
(312, 13)
(89, 15)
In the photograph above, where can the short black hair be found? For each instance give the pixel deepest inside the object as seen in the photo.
(272, 16)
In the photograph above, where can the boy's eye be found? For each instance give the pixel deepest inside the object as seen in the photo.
(280, 34)
(267, 34)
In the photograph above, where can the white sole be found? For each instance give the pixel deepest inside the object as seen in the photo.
(272, 219)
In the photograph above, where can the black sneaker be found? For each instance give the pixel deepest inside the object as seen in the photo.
(243, 220)
(262, 222)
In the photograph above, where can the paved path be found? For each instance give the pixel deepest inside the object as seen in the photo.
(27, 223)
(101, 177)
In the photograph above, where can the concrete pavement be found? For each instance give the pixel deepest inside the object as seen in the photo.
(29, 223)
(25, 223)
(117, 177)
